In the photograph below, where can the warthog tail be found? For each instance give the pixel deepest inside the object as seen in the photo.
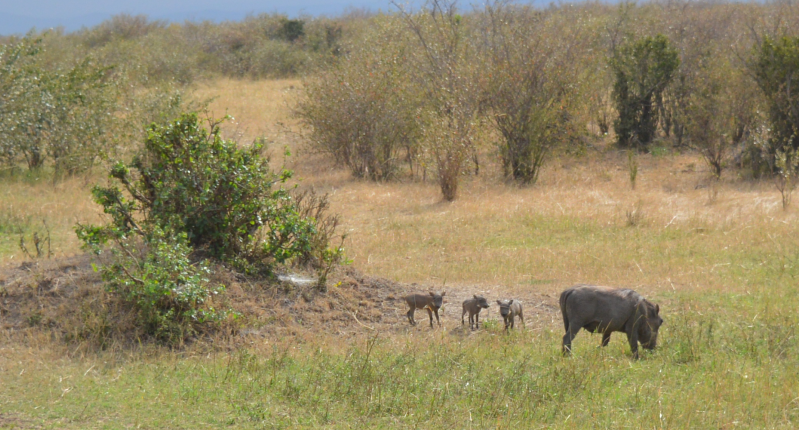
(564, 296)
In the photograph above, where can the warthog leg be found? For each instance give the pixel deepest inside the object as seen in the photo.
(571, 331)
(410, 316)
(633, 339)
(605, 338)
(430, 314)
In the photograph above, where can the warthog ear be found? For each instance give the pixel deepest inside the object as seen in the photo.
(511, 302)
(443, 294)
(431, 293)
(657, 309)
(499, 302)
(475, 296)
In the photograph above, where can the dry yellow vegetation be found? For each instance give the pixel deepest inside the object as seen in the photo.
(492, 235)
(720, 259)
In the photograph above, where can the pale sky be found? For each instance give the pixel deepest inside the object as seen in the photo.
(19, 16)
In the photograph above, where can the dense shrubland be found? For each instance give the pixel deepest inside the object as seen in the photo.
(152, 52)
(69, 100)
(429, 93)
(516, 83)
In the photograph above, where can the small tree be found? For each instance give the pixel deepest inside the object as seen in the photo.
(444, 70)
(82, 116)
(363, 111)
(720, 113)
(529, 90)
(777, 74)
(643, 68)
(68, 114)
(18, 82)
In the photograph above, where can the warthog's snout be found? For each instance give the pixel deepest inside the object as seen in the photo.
(654, 326)
(510, 309)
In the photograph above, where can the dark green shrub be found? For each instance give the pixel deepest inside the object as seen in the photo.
(777, 74)
(643, 69)
(173, 295)
(191, 194)
(292, 29)
(191, 180)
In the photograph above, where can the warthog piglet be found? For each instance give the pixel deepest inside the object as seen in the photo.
(509, 309)
(473, 306)
(432, 302)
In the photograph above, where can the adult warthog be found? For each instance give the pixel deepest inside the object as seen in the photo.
(605, 310)
(431, 302)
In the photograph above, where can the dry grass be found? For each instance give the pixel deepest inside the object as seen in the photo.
(495, 234)
(502, 235)
(721, 259)
(571, 227)
(28, 204)
(259, 108)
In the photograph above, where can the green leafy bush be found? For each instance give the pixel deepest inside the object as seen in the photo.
(191, 180)
(292, 29)
(192, 195)
(643, 69)
(172, 295)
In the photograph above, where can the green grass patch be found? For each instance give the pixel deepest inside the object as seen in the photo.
(713, 369)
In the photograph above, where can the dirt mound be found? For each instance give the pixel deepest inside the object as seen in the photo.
(65, 300)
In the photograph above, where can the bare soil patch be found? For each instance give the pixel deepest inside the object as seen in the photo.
(65, 300)
(9, 421)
